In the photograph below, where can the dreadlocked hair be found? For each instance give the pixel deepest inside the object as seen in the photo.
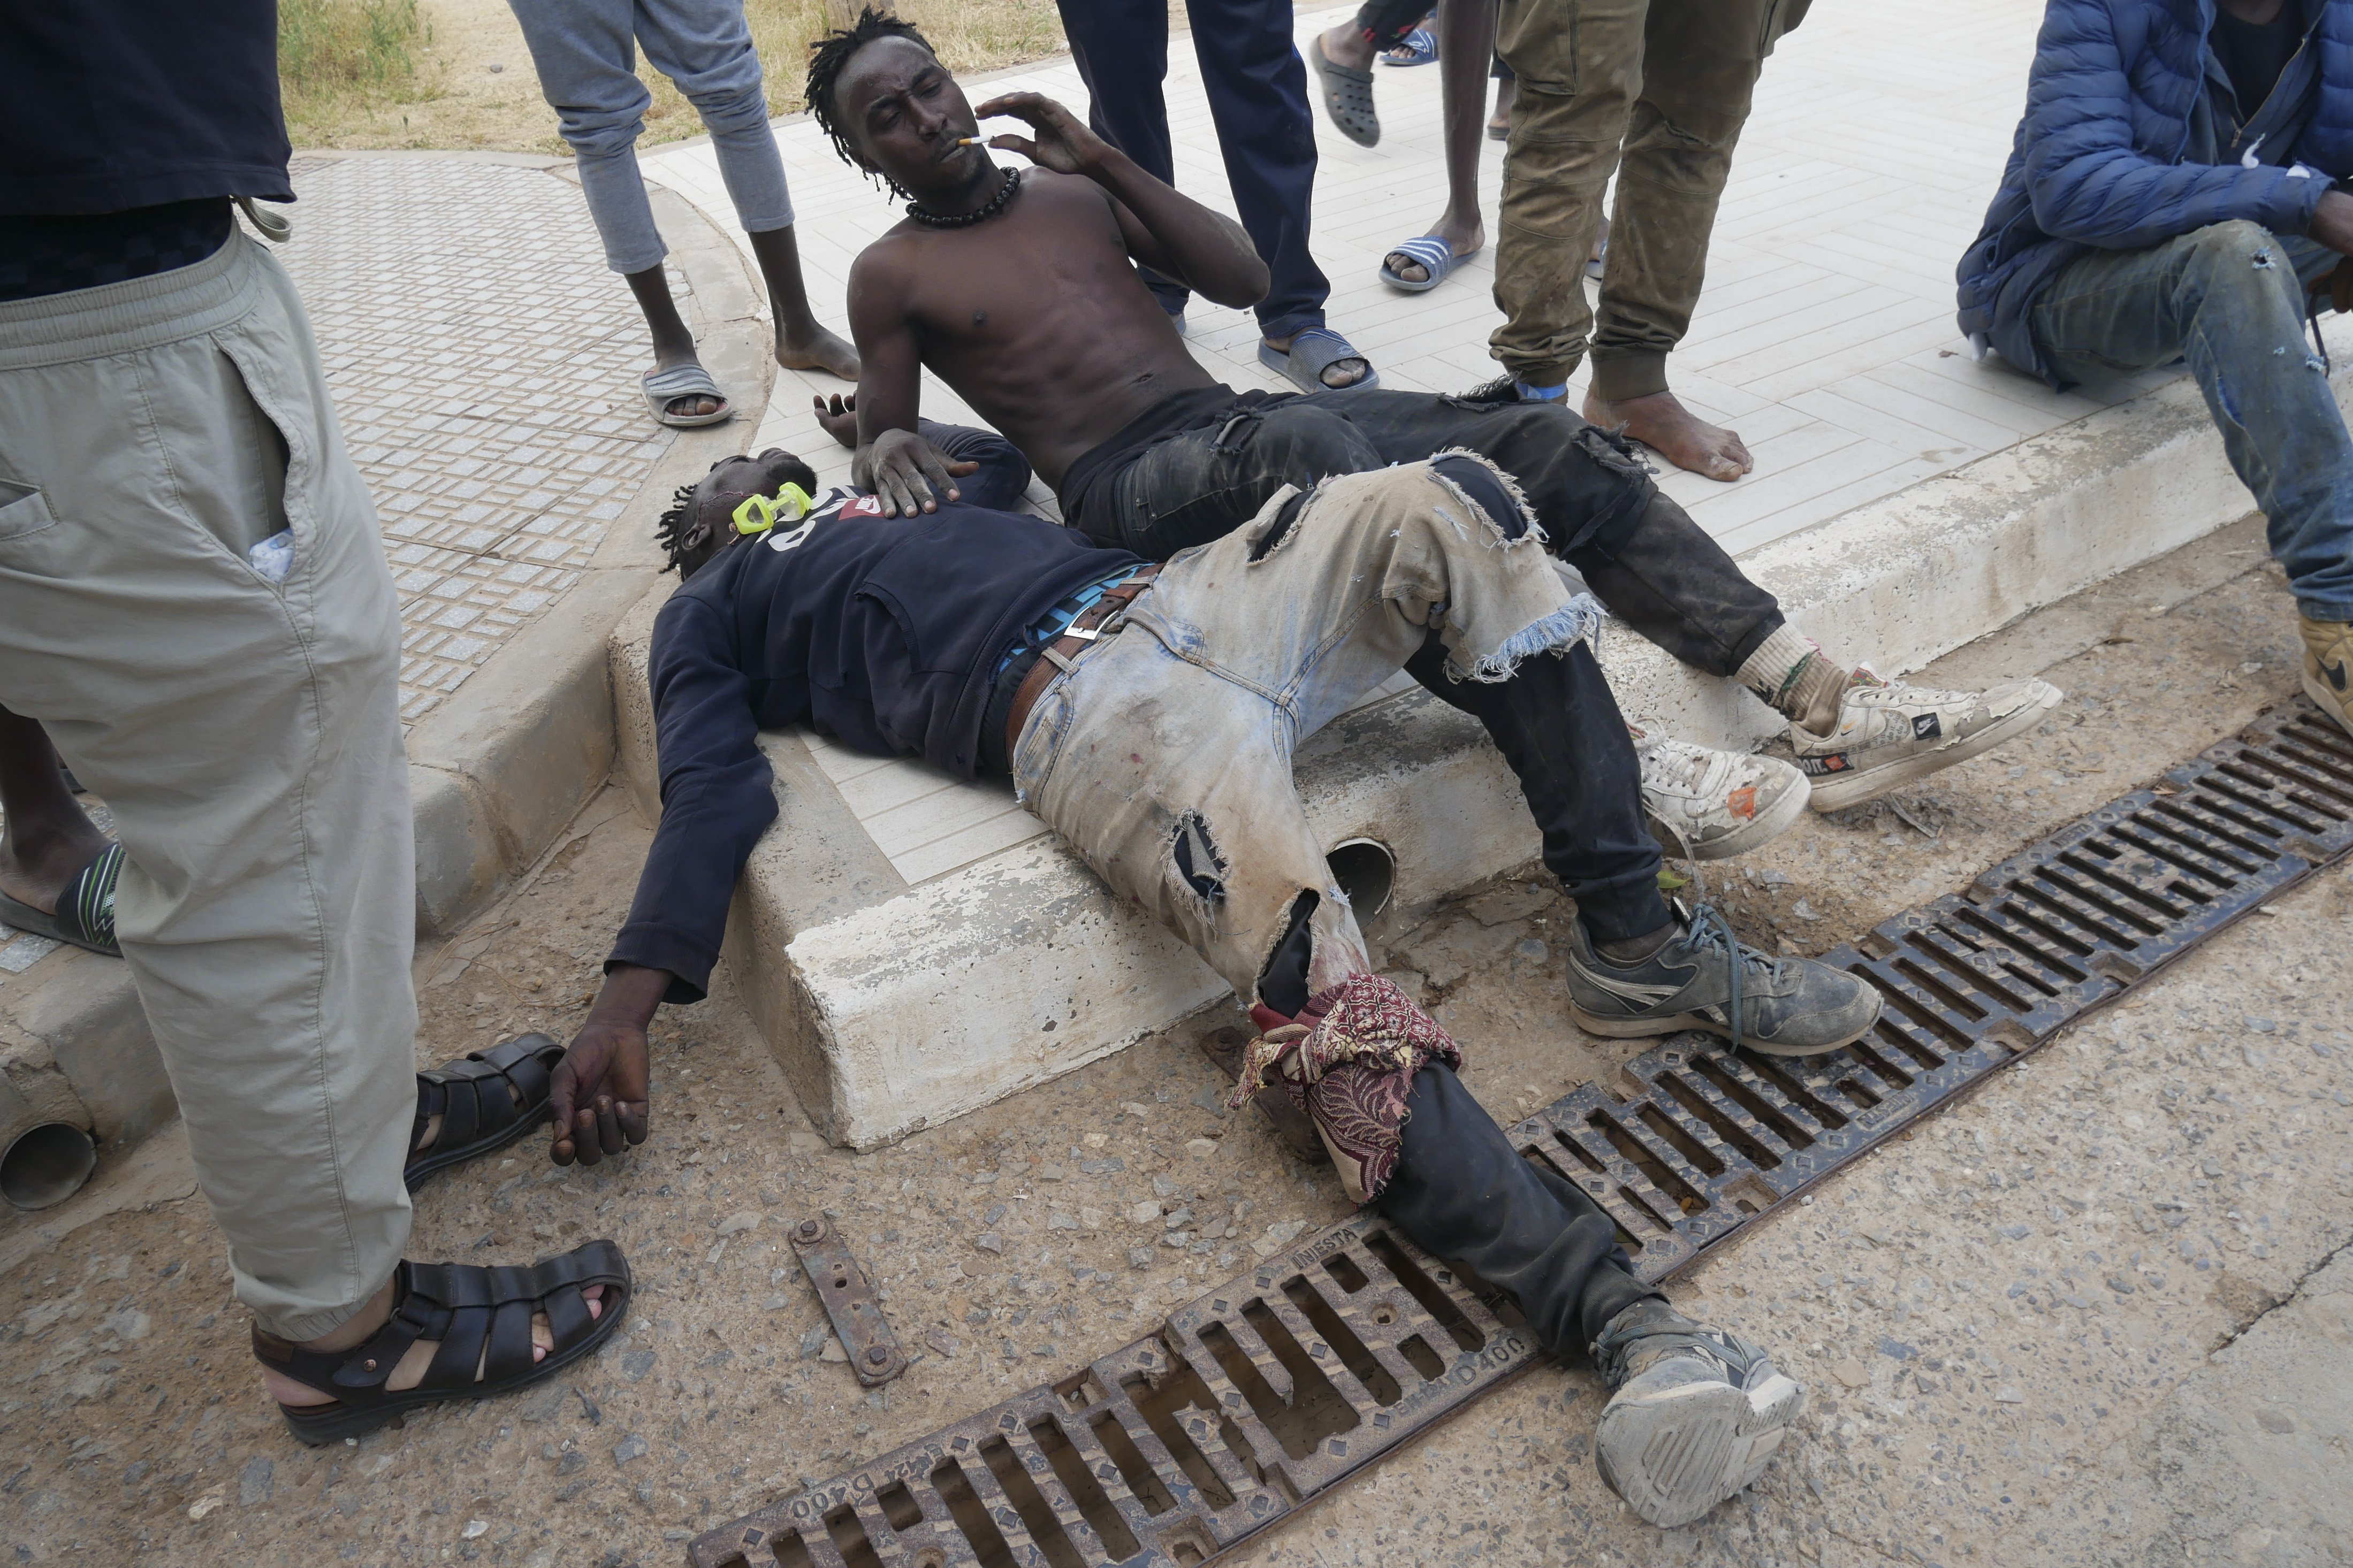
(670, 528)
(829, 55)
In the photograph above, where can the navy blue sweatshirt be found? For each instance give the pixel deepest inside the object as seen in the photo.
(883, 632)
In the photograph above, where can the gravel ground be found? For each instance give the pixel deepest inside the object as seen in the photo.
(2095, 1315)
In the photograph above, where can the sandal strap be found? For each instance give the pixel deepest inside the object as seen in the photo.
(1429, 251)
(485, 1091)
(479, 1314)
(681, 381)
(85, 908)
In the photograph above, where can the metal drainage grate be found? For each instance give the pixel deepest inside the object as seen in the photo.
(1249, 1402)
(1281, 1383)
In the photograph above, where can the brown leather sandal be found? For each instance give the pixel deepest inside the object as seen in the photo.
(482, 1318)
(486, 1101)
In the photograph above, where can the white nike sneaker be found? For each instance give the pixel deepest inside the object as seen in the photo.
(1704, 804)
(1890, 733)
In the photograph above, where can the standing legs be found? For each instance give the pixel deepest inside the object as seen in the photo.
(45, 839)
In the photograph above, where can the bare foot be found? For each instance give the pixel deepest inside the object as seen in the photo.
(1662, 423)
(693, 403)
(1463, 238)
(419, 1357)
(1347, 44)
(838, 417)
(816, 349)
(36, 866)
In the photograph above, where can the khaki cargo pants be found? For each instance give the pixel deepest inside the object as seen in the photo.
(1669, 81)
(245, 733)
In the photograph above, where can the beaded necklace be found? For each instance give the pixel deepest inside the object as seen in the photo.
(990, 208)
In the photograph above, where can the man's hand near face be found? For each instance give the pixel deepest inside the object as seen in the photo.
(598, 1096)
(1063, 142)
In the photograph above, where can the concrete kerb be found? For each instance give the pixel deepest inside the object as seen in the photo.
(893, 1008)
(495, 772)
(1900, 581)
(499, 767)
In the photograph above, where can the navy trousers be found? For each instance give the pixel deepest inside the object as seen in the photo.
(1266, 129)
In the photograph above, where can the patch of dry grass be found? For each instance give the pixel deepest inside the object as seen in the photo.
(335, 57)
(460, 77)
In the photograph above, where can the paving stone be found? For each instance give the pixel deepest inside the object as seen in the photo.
(484, 366)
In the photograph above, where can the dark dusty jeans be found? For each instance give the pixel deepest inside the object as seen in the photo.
(2228, 299)
(1559, 730)
(1257, 87)
(1637, 551)
(1461, 1191)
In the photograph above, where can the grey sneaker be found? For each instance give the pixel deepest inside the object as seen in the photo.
(1695, 1414)
(1890, 733)
(1702, 804)
(1706, 978)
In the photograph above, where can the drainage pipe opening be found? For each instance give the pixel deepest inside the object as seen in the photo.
(45, 1164)
(1366, 871)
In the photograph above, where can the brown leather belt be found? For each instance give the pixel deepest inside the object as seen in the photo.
(1057, 657)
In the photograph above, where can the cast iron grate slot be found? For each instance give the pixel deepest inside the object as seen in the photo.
(1355, 1342)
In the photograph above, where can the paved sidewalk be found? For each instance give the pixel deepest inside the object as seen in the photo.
(1825, 336)
(485, 366)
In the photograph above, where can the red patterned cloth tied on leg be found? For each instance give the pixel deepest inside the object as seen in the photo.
(1348, 1063)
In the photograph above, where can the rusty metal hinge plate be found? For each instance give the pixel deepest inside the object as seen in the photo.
(849, 1297)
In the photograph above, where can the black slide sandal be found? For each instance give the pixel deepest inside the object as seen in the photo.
(85, 915)
(485, 1099)
(482, 1318)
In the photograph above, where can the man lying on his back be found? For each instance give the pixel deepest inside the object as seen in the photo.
(1149, 714)
(1019, 288)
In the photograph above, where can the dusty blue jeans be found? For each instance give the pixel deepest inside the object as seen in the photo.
(2228, 299)
(585, 51)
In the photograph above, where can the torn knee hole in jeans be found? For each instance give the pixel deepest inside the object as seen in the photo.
(1283, 978)
(1196, 866)
(1477, 481)
(1278, 531)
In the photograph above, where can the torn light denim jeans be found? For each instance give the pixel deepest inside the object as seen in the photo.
(2230, 300)
(1163, 756)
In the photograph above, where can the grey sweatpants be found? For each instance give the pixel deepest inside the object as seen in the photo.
(245, 735)
(585, 54)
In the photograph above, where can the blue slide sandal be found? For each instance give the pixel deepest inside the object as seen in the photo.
(1418, 48)
(1437, 258)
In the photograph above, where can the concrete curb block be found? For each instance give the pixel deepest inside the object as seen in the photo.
(495, 771)
(1903, 581)
(894, 1007)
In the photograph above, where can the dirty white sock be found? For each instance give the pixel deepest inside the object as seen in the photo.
(1795, 677)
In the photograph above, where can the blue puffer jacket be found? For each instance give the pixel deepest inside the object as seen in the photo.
(2131, 137)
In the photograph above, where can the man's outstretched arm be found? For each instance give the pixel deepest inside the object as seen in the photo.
(1164, 230)
(718, 797)
(901, 469)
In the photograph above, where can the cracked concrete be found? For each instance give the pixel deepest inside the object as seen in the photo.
(2097, 1315)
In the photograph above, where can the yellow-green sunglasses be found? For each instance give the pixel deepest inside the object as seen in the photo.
(760, 513)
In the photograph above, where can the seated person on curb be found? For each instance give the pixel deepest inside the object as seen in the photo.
(985, 640)
(1019, 288)
(2171, 196)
